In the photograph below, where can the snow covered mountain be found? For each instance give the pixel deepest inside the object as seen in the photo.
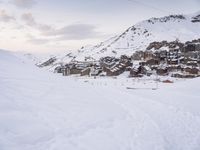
(138, 37)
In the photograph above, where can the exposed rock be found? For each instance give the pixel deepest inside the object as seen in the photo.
(48, 62)
(196, 19)
(167, 18)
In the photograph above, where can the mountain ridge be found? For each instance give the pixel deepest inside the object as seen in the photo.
(138, 37)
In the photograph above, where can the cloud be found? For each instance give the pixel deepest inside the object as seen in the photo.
(5, 17)
(37, 41)
(70, 32)
(28, 18)
(24, 3)
(30, 21)
(75, 32)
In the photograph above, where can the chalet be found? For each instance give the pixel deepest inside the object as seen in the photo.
(173, 57)
(138, 55)
(180, 75)
(58, 69)
(193, 55)
(156, 45)
(142, 63)
(148, 55)
(193, 63)
(108, 62)
(146, 70)
(162, 71)
(139, 71)
(66, 72)
(119, 67)
(116, 70)
(173, 61)
(190, 47)
(174, 68)
(85, 72)
(152, 62)
(188, 60)
(191, 70)
(95, 70)
(162, 55)
(159, 45)
(197, 46)
(196, 41)
(128, 68)
(125, 58)
(136, 71)
(69, 71)
(76, 67)
(66, 69)
(143, 55)
(177, 75)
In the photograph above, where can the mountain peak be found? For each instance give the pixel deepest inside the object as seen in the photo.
(167, 18)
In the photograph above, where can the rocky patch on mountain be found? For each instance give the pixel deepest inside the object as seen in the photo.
(196, 19)
(48, 62)
(167, 18)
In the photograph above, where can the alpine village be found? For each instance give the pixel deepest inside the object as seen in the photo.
(175, 59)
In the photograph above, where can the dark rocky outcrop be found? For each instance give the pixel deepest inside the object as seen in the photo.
(48, 62)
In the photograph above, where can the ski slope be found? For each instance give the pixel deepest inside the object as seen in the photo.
(44, 111)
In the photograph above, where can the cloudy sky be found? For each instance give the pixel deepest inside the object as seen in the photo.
(58, 25)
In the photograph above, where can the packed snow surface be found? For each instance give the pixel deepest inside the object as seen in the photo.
(44, 111)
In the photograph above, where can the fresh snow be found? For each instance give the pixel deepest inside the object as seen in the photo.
(44, 111)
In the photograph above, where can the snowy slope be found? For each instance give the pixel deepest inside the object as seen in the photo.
(138, 37)
(44, 111)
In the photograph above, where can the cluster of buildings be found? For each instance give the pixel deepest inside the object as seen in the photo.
(106, 66)
(181, 60)
(176, 59)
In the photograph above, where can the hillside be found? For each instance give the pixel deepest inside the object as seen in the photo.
(138, 37)
(40, 110)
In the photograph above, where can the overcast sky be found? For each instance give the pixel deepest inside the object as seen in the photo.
(57, 25)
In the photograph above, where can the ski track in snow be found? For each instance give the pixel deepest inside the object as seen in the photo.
(43, 111)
